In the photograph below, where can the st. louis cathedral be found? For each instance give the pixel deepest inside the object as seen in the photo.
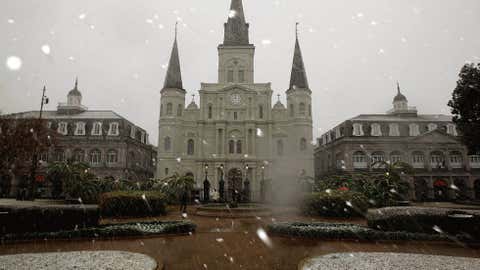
(235, 134)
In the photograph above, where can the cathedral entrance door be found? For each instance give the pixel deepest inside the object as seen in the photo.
(234, 184)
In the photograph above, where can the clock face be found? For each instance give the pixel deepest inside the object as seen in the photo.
(236, 99)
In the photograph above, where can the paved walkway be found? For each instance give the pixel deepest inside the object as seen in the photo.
(226, 243)
(83, 260)
(390, 261)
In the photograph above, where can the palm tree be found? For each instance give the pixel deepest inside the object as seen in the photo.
(66, 176)
(389, 187)
(175, 185)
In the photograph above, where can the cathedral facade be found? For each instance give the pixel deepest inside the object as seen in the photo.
(236, 134)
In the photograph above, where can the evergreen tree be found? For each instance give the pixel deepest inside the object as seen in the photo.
(465, 104)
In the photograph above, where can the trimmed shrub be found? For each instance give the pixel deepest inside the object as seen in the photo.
(335, 203)
(345, 231)
(132, 204)
(21, 219)
(109, 231)
(462, 223)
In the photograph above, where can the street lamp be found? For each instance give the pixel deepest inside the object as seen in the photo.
(246, 188)
(221, 184)
(206, 186)
(33, 172)
(262, 185)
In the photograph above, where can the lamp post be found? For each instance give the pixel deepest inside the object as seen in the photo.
(206, 186)
(262, 185)
(246, 189)
(33, 172)
(221, 184)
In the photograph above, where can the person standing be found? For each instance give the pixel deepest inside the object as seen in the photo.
(184, 200)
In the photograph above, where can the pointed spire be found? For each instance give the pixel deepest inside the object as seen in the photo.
(298, 78)
(75, 91)
(173, 79)
(399, 96)
(236, 28)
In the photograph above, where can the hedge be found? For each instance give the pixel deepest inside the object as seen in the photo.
(345, 231)
(47, 218)
(335, 203)
(463, 223)
(132, 204)
(110, 231)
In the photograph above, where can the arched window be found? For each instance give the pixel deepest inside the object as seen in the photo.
(210, 112)
(95, 157)
(309, 109)
(112, 156)
(190, 147)
(396, 157)
(78, 155)
(231, 147)
(303, 144)
(292, 110)
(437, 160)
(456, 160)
(260, 111)
(280, 147)
(179, 110)
(301, 108)
(161, 109)
(239, 147)
(360, 160)
(418, 160)
(376, 158)
(169, 109)
(241, 76)
(59, 155)
(167, 144)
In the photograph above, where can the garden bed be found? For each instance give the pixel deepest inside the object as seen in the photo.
(110, 231)
(346, 231)
(455, 222)
(47, 218)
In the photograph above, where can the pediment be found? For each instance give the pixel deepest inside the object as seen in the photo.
(435, 136)
(237, 88)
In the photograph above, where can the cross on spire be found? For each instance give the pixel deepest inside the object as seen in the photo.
(298, 77)
(398, 87)
(296, 29)
(176, 29)
(76, 82)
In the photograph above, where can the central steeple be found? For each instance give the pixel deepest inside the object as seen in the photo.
(236, 28)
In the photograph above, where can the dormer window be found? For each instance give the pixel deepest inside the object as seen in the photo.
(132, 132)
(414, 130)
(432, 127)
(357, 129)
(113, 129)
(62, 128)
(394, 130)
(80, 129)
(97, 129)
(376, 130)
(452, 130)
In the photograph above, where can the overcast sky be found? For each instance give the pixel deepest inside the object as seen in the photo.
(354, 51)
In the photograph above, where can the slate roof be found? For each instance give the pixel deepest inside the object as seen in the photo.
(393, 118)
